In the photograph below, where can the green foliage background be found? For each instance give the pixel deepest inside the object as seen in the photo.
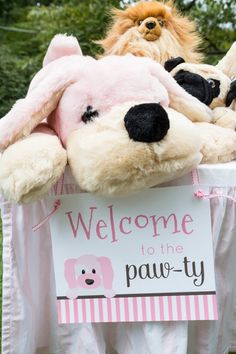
(27, 26)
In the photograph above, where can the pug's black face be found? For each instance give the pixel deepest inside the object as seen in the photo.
(204, 90)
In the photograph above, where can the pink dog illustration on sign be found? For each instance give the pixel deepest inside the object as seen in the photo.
(89, 272)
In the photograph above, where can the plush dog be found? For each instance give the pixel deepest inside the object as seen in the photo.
(210, 85)
(89, 272)
(152, 29)
(122, 122)
(228, 65)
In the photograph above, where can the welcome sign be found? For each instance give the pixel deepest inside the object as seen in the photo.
(146, 257)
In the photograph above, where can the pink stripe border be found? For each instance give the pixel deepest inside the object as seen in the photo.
(131, 309)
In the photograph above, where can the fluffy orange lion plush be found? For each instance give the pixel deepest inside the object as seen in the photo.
(153, 29)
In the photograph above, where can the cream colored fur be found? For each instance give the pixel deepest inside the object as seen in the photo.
(133, 42)
(218, 144)
(208, 72)
(30, 167)
(228, 63)
(222, 116)
(130, 165)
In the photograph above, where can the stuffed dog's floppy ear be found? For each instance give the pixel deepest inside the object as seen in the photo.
(107, 272)
(231, 94)
(172, 63)
(61, 45)
(69, 272)
(228, 63)
(46, 90)
(180, 100)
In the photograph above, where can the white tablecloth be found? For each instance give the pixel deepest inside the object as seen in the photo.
(29, 301)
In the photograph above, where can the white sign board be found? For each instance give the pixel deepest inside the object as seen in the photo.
(146, 257)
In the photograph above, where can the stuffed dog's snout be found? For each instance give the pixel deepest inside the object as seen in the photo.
(204, 90)
(147, 122)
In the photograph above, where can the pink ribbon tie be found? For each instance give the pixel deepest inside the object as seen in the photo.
(56, 206)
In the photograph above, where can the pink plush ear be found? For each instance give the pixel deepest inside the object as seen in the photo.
(180, 100)
(69, 272)
(107, 272)
(45, 91)
(61, 46)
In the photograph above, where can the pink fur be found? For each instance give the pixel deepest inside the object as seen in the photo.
(64, 88)
(61, 46)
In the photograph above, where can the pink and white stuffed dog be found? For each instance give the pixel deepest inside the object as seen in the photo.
(89, 272)
(122, 123)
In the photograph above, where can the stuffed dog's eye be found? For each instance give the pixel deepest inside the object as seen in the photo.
(89, 114)
(212, 83)
(93, 271)
(83, 271)
(161, 22)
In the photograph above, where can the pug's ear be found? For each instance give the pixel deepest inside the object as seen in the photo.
(172, 63)
(228, 63)
(231, 94)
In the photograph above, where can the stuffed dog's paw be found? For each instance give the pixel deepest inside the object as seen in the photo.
(224, 117)
(218, 144)
(30, 167)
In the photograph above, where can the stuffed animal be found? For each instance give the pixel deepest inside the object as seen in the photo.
(210, 85)
(228, 65)
(120, 121)
(124, 123)
(152, 29)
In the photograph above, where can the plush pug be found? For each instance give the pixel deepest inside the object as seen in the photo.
(210, 85)
(122, 123)
(228, 65)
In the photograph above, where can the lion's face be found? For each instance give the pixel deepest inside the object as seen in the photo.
(148, 18)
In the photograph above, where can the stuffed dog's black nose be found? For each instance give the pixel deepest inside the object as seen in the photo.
(147, 122)
(89, 281)
(150, 25)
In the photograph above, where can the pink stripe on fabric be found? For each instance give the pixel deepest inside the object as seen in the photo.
(67, 309)
(75, 307)
(117, 300)
(135, 308)
(179, 308)
(83, 303)
(100, 306)
(170, 310)
(92, 310)
(196, 307)
(153, 310)
(144, 314)
(195, 177)
(60, 185)
(109, 310)
(59, 311)
(188, 310)
(214, 303)
(205, 306)
(161, 308)
(126, 308)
